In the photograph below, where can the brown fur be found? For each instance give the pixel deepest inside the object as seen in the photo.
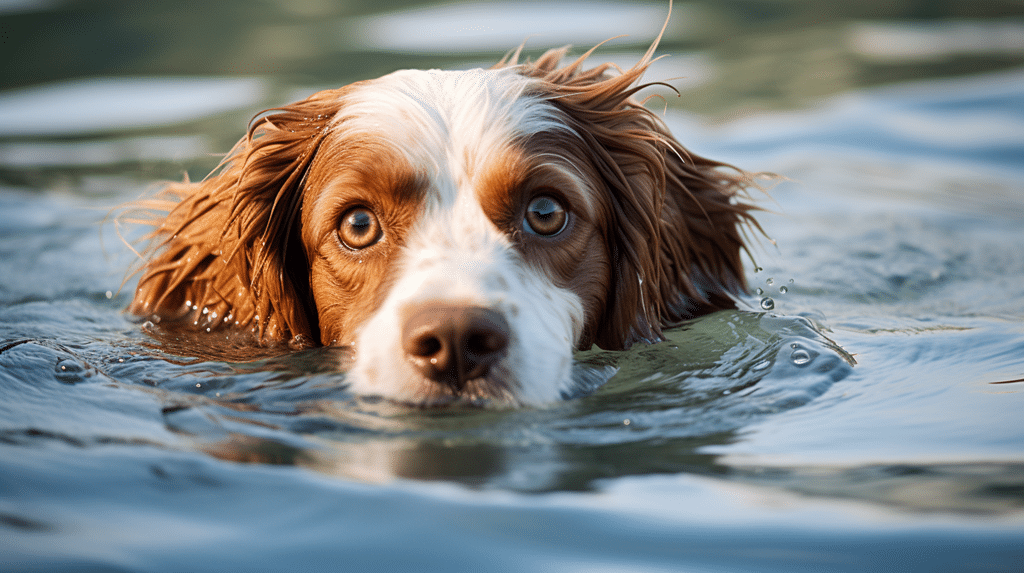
(231, 251)
(673, 223)
(230, 246)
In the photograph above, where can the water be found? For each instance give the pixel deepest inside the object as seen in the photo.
(862, 411)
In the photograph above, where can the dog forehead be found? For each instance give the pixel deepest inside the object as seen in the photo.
(433, 112)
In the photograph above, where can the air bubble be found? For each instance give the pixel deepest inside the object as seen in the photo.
(800, 357)
(758, 269)
(760, 291)
(767, 303)
(762, 365)
(769, 282)
(110, 294)
(783, 289)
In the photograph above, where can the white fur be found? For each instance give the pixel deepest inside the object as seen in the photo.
(448, 125)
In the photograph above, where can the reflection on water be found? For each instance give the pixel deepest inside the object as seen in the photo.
(924, 41)
(500, 26)
(113, 69)
(92, 153)
(110, 105)
(665, 401)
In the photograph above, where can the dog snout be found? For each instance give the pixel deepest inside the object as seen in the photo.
(452, 345)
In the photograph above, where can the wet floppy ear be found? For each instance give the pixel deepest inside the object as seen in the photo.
(228, 251)
(702, 226)
(676, 237)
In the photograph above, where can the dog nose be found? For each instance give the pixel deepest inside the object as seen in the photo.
(452, 345)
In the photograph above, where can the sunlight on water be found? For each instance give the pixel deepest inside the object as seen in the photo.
(99, 153)
(113, 104)
(930, 41)
(468, 27)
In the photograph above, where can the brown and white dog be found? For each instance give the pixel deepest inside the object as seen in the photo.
(462, 231)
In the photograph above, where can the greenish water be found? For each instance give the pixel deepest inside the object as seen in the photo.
(870, 419)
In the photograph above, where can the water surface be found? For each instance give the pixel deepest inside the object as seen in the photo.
(861, 411)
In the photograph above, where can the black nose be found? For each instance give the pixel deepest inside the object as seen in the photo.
(452, 345)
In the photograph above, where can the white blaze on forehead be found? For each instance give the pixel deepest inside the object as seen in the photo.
(449, 126)
(449, 123)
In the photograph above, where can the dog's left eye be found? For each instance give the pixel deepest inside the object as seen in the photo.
(359, 228)
(545, 216)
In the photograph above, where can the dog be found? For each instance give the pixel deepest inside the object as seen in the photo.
(461, 231)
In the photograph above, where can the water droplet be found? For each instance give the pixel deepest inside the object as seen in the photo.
(762, 365)
(626, 422)
(726, 392)
(790, 281)
(769, 282)
(110, 294)
(800, 357)
(70, 371)
(760, 291)
(783, 289)
(767, 303)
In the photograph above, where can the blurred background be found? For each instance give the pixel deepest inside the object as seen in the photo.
(900, 125)
(97, 93)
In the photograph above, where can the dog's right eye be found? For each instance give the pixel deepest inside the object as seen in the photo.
(359, 228)
(545, 216)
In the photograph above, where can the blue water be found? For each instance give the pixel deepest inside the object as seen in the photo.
(869, 420)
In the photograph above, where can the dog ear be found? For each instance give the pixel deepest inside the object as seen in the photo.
(228, 251)
(674, 228)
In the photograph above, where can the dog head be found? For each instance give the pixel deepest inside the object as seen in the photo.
(462, 231)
